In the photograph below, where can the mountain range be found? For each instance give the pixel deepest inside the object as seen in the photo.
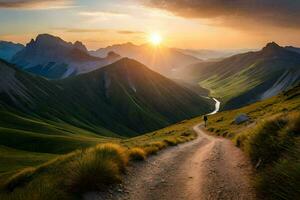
(54, 58)
(160, 59)
(245, 78)
(236, 80)
(122, 99)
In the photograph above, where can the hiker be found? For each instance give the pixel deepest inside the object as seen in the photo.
(205, 120)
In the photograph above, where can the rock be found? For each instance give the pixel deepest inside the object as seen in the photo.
(241, 118)
(120, 190)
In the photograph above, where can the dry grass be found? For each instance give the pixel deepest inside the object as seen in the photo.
(269, 139)
(137, 154)
(172, 141)
(151, 150)
(274, 148)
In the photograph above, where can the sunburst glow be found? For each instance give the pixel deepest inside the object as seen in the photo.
(155, 39)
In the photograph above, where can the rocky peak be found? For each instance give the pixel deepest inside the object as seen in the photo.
(47, 40)
(112, 54)
(79, 45)
(272, 46)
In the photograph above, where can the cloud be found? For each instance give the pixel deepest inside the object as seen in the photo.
(126, 32)
(87, 30)
(102, 14)
(36, 4)
(282, 13)
(81, 30)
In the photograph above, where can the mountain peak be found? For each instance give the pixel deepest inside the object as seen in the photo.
(48, 40)
(79, 45)
(112, 54)
(45, 36)
(272, 45)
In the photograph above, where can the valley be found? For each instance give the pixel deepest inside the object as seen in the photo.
(149, 100)
(109, 124)
(245, 78)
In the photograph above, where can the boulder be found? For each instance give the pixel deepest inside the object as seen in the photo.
(241, 118)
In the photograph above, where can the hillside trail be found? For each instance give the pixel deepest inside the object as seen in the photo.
(207, 168)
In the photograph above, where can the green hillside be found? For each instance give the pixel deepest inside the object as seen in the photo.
(102, 101)
(127, 88)
(246, 78)
(47, 118)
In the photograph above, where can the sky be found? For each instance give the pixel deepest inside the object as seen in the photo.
(191, 24)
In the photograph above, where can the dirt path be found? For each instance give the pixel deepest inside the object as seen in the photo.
(206, 168)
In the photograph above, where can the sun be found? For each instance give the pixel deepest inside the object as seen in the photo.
(155, 39)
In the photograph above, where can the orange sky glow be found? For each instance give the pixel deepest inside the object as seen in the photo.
(102, 23)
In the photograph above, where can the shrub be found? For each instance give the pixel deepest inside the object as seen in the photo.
(137, 154)
(114, 152)
(96, 168)
(150, 150)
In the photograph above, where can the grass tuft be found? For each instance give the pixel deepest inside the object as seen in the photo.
(151, 150)
(268, 140)
(115, 152)
(137, 154)
(96, 168)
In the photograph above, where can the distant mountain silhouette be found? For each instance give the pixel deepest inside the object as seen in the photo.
(54, 58)
(249, 77)
(160, 59)
(212, 54)
(291, 48)
(9, 49)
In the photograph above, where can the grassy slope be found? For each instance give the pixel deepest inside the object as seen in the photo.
(82, 101)
(12, 159)
(27, 141)
(127, 88)
(241, 79)
(44, 118)
(271, 139)
(241, 82)
(43, 136)
(222, 122)
(54, 176)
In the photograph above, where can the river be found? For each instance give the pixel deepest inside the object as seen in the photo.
(217, 107)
